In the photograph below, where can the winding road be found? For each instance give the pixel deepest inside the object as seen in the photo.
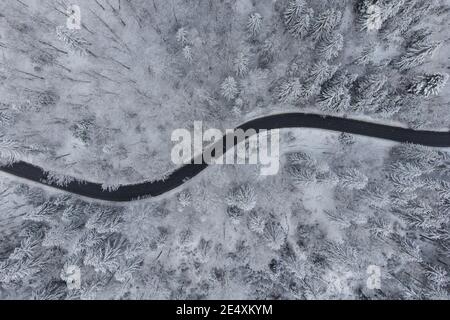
(277, 121)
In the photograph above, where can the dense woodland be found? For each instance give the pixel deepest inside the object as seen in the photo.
(100, 103)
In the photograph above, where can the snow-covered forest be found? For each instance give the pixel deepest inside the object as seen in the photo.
(99, 103)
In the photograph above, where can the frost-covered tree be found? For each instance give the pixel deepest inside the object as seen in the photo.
(274, 234)
(346, 139)
(5, 119)
(330, 45)
(429, 84)
(266, 54)
(421, 156)
(370, 15)
(369, 92)
(321, 72)
(366, 55)
(72, 40)
(405, 176)
(241, 64)
(416, 54)
(229, 88)
(325, 23)
(242, 197)
(302, 174)
(352, 179)
(182, 36)
(256, 222)
(107, 255)
(10, 151)
(105, 220)
(290, 90)
(297, 18)
(187, 54)
(254, 24)
(184, 199)
(335, 95)
(234, 212)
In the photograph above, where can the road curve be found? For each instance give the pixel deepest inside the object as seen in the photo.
(278, 121)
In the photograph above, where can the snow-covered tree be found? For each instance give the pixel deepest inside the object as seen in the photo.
(297, 18)
(366, 55)
(184, 199)
(256, 222)
(10, 151)
(429, 84)
(241, 64)
(346, 139)
(182, 36)
(106, 256)
(369, 92)
(335, 95)
(325, 23)
(274, 234)
(290, 90)
(321, 72)
(105, 220)
(352, 179)
(266, 54)
(72, 40)
(421, 156)
(242, 197)
(416, 54)
(229, 88)
(254, 24)
(330, 45)
(370, 15)
(187, 54)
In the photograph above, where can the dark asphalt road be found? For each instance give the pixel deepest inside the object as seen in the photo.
(278, 121)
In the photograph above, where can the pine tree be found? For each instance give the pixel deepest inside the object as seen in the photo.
(423, 157)
(370, 15)
(104, 220)
(416, 54)
(346, 139)
(254, 24)
(290, 91)
(182, 37)
(242, 197)
(229, 88)
(266, 54)
(352, 179)
(366, 55)
(325, 23)
(429, 84)
(72, 40)
(321, 72)
(241, 65)
(274, 234)
(106, 256)
(187, 54)
(369, 92)
(10, 151)
(293, 11)
(5, 119)
(330, 45)
(297, 18)
(256, 222)
(335, 95)
(302, 174)
(184, 199)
